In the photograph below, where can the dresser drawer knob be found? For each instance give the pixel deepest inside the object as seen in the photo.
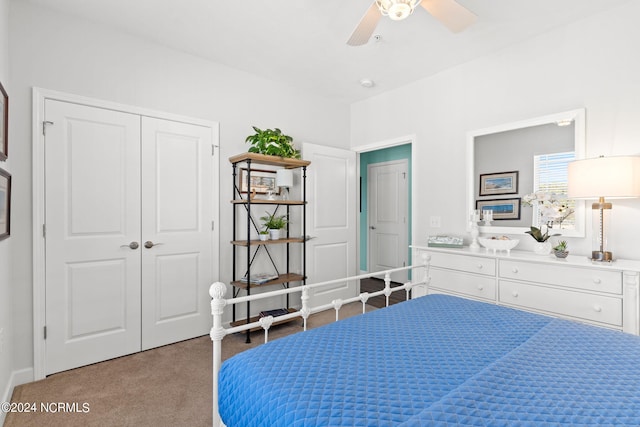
(479, 266)
(515, 294)
(480, 288)
(514, 269)
(597, 308)
(597, 281)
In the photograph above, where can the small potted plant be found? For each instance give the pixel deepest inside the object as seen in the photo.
(560, 250)
(274, 224)
(543, 246)
(273, 143)
(264, 235)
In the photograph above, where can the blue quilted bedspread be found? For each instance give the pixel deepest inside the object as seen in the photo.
(437, 360)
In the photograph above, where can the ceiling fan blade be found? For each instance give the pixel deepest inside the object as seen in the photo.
(452, 14)
(364, 30)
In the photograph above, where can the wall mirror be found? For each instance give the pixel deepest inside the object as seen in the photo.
(507, 162)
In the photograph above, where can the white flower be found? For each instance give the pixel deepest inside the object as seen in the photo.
(551, 207)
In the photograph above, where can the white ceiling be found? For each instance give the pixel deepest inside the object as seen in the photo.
(303, 42)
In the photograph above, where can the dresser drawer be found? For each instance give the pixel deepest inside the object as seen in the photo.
(561, 302)
(462, 283)
(469, 264)
(571, 277)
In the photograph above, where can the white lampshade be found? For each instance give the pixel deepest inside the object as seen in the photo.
(600, 178)
(611, 177)
(284, 178)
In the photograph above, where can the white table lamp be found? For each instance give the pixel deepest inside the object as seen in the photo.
(611, 177)
(284, 179)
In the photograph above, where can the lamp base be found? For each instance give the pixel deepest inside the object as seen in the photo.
(601, 256)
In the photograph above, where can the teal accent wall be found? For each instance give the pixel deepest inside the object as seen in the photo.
(399, 152)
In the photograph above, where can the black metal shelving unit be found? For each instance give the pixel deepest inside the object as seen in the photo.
(252, 247)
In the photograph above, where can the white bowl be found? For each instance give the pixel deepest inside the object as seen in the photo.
(498, 245)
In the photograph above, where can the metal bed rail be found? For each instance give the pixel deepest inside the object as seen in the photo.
(219, 303)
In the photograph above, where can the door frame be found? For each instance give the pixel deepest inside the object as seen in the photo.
(39, 96)
(378, 145)
(406, 207)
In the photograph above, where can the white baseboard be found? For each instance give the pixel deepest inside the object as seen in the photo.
(17, 378)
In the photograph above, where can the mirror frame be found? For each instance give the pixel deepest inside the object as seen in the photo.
(578, 116)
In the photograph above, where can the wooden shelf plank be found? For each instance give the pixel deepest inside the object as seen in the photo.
(267, 242)
(264, 159)
(283, 278)
(275, 321)
(268, 202)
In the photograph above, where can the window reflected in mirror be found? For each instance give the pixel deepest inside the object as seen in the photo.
(526, 164)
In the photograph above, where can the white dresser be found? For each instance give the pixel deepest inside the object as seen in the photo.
(603, 294)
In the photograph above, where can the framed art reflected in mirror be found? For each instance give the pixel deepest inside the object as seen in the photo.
(492, 184)
(4, 123)
(502, 209)
(5, 204)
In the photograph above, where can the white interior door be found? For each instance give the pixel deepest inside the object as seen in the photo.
(177, 213)
(331, 213)
(388, 209)
(92, 197)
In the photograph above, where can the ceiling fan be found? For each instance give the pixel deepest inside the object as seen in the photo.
(453, 15)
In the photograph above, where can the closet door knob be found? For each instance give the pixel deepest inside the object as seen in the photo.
(149, 244)
(132, 245)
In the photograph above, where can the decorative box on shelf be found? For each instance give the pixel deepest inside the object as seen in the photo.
(444, 242)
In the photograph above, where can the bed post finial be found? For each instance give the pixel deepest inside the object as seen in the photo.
(387, 287)
(426, 258)
(364, 297)
(337, 305)
(217, 291)
(266, 323)
(407, 288)
(305, 310)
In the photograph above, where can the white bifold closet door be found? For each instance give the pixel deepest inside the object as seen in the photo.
(128, 233)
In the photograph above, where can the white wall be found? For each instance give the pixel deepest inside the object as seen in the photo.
(57, 52)
(593, 64)
(6, 341)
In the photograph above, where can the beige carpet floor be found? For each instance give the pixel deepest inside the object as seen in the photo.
(166, 386)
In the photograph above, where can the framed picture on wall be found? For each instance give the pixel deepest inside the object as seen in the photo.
(502, 208)
(5, 204)
(493, 184)
(4, 124)
(262, 181)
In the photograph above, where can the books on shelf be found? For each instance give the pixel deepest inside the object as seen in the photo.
(275, 313)
(260, 278)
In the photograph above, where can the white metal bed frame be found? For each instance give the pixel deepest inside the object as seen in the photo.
(218, 304)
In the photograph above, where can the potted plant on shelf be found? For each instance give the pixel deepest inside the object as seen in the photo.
(560, 250)
(263, 234)
(274, 224)
(273, 143)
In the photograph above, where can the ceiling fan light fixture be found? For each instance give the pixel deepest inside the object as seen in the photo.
(367, 83)
(397, 10)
